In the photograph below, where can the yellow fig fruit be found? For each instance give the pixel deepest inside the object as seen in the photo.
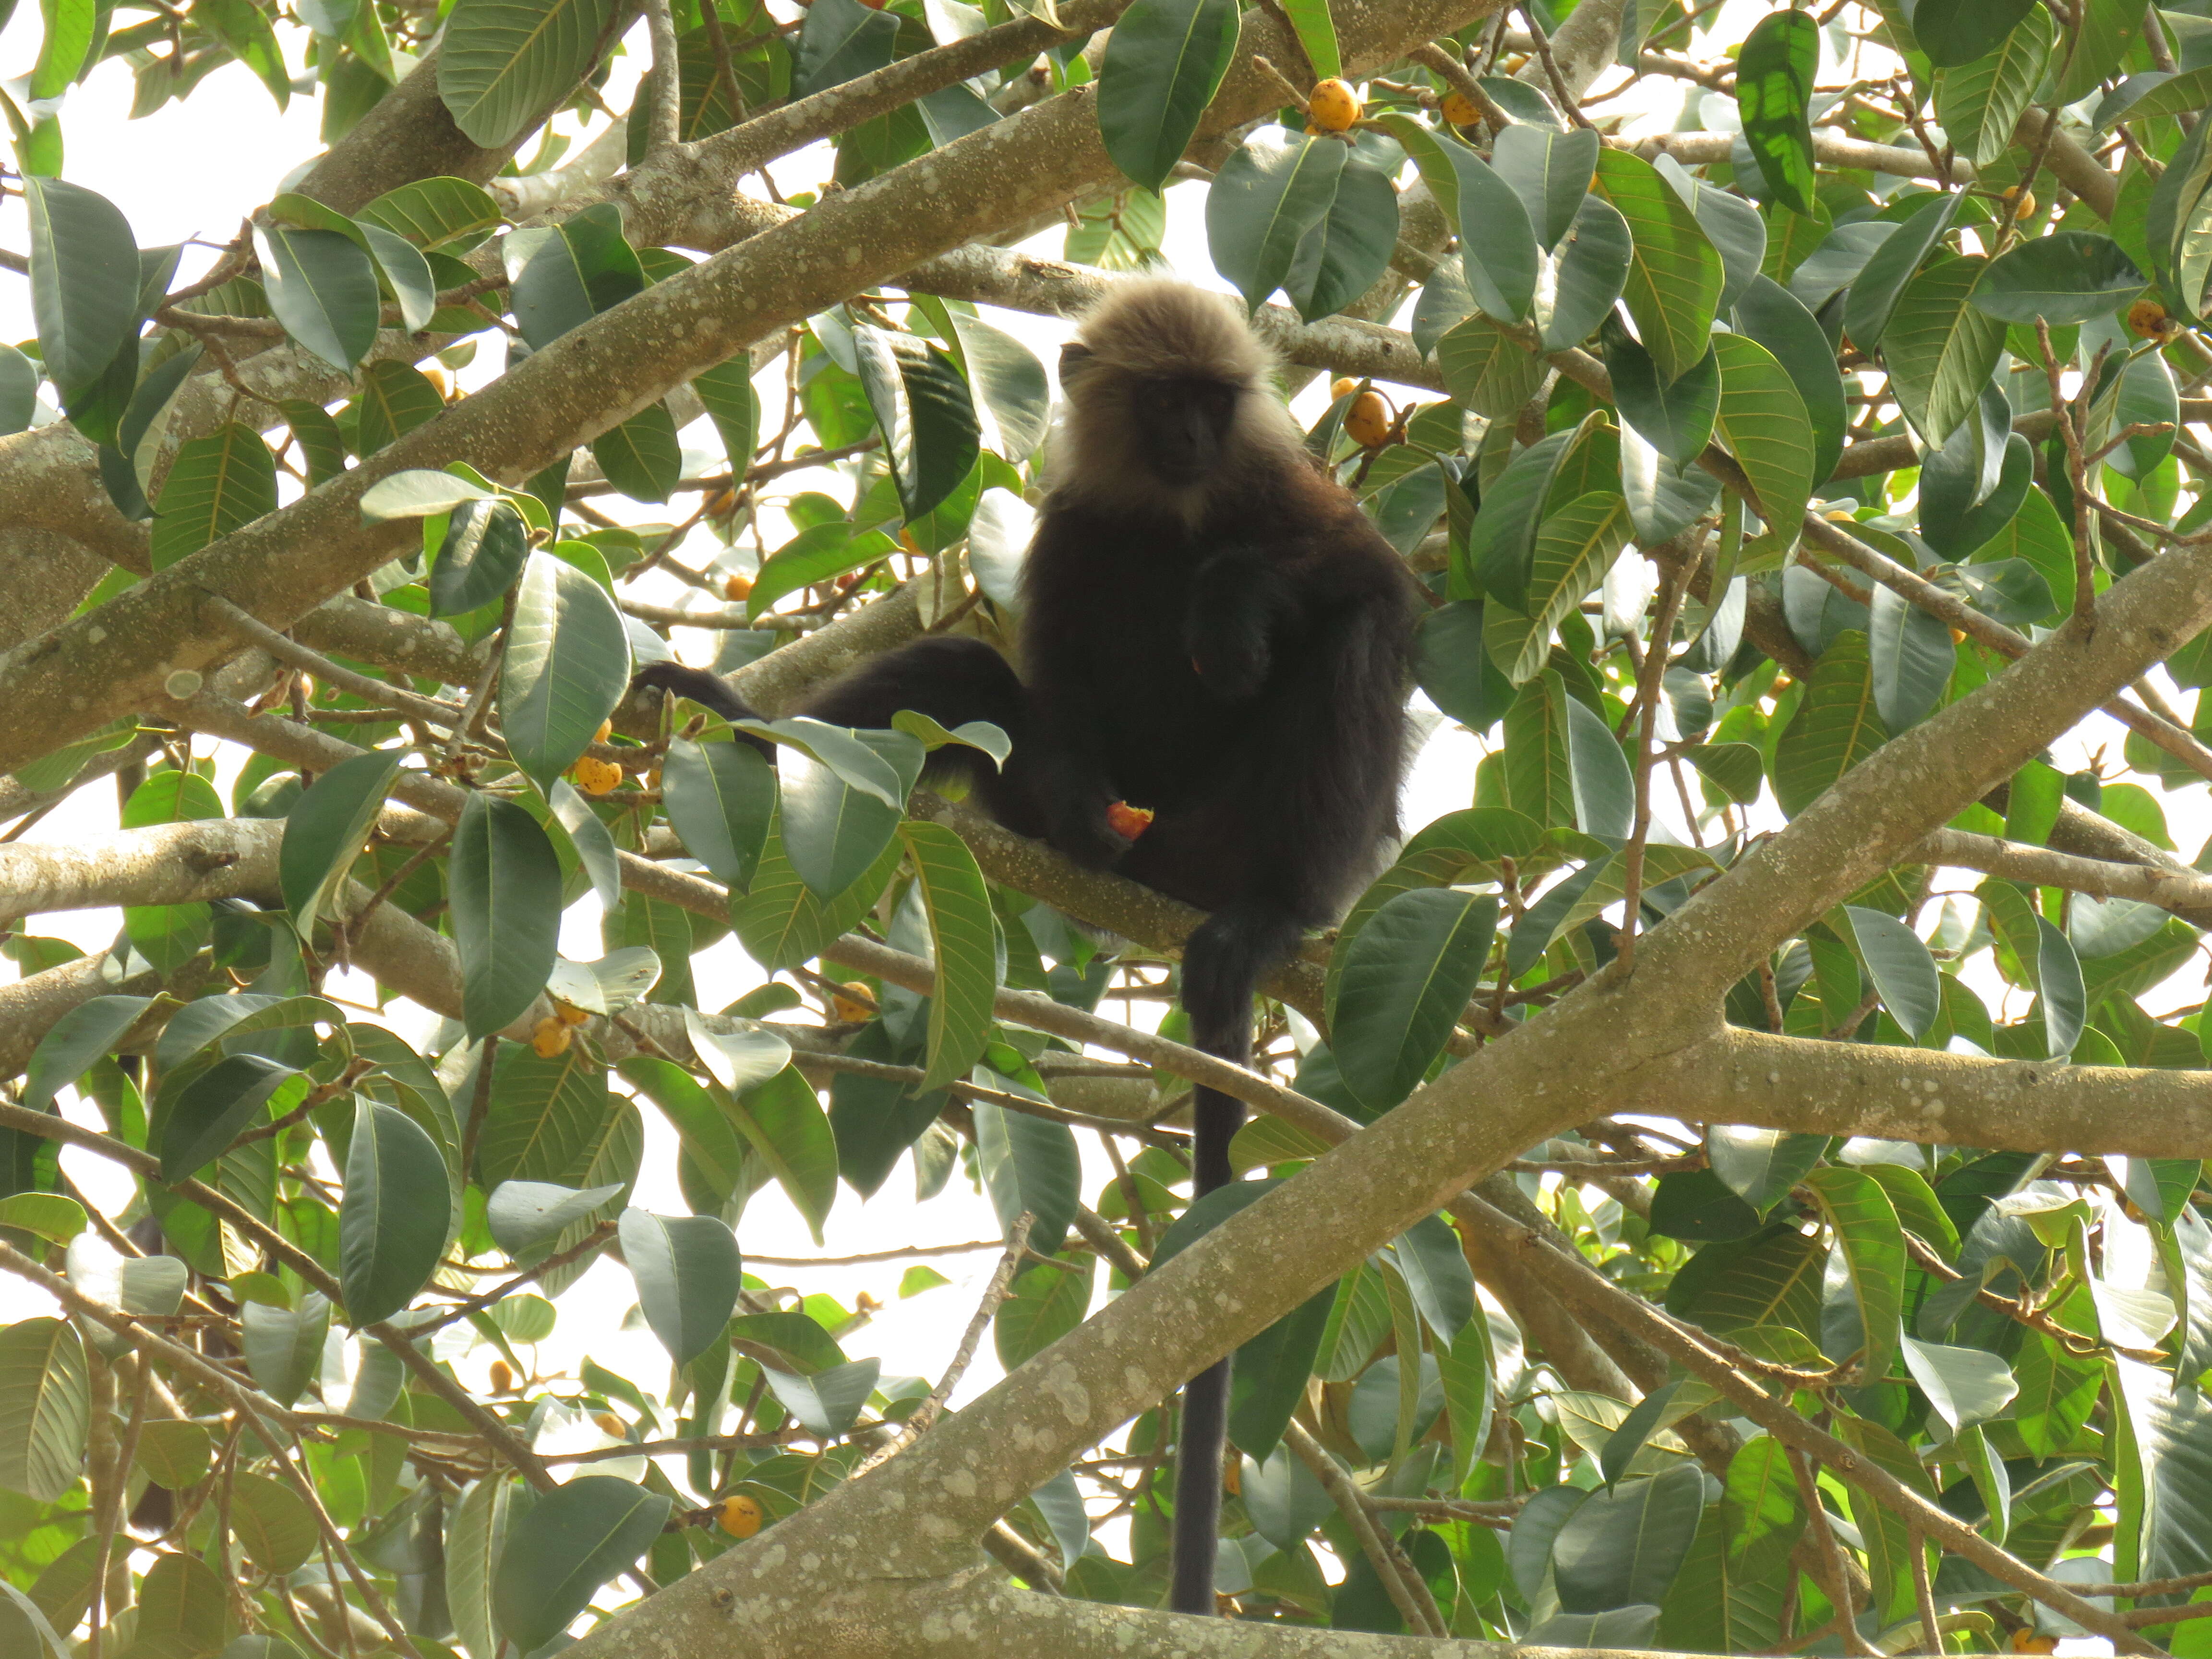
(1334, 106)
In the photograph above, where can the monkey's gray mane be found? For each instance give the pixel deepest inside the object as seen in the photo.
(1159, 329)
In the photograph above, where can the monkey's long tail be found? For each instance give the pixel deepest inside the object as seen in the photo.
(1222, 965)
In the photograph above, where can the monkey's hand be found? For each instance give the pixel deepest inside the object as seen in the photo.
(1234, 604)
(1089, 838)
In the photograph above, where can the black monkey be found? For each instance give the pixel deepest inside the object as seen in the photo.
(1211, 629)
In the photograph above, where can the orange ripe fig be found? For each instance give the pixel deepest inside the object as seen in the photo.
(1342, 387)
(610, 1424)
(1368, 421)
(740, 1516)
(1333, 106)
(1459, 110)
(737, 586)
(854, 1009)
(569, 1013)
(595, 777)
(502, 1377)
(2147, 319)
(2023, 202)
(1127, 821)
(549, 1038)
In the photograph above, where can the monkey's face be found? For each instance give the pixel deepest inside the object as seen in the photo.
(1182, 427)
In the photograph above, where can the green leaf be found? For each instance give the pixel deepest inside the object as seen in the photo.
(1623, 1547)
(1675, 419)
(406, 272)
(174, 1454)
(45, 1407)
(2068, 277)
(1549, 171)
(845, 40)
(720, 799)
(322, 286)
(832, 833)
(1873, 1245)
(1163, 63)
(1732, 224)
(395, 399)
(1978, 103)
(1265, 199)
(1349, 247)
(552, 1120)
(1774, 85)
(565, 1545)
(1486, 369)
(1882, 279)
(19, 391)
(1912, 659)
(217, 483)
(392, 1231)
(1575, 548)
(1777, 319)
(1316, 32)
(565, 275)
(73, 1042)
(962, 941)
(436, 213)
(1674, 281)
(1015, 398)
(1762, 420)
(1029, 1164)
(567, 666)
(1964, 1386)
(1605, 792)
(785, 1124)
(1537, 781)
(1955, 32)
(2177, 223)
(923, 408)
(1835, 728)
(2108, 28)
(71, 26)
(1761, 1166)
(2060, 997)
(327, 828)
(1044, 1303)
(728, 391)
(418, 494)
(283, 1346)
(317, 433)
(210, 1111)
(641, 458)
(183, 1608)
(481, 554)
(1901, 968)
(828, 1402)
(525, 1217)
(504, 884)
(1592, 271)
(1938, 348)
(1407, 978)
(688, 1273)
(274, 1526)
(506, 64)
(84, 277)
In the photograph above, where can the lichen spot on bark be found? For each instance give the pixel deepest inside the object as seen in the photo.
(961, 1483)
(1064, 1384)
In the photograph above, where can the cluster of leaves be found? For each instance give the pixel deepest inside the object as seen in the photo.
(2018, 1338)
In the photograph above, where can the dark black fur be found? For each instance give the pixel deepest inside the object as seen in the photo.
(1210, 629)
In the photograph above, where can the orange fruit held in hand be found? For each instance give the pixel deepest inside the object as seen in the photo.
(1333, 106)
(1126, 820)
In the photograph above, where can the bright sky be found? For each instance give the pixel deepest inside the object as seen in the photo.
(193, 169)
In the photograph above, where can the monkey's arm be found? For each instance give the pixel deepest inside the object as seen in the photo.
(1240, 601)
(706, 689)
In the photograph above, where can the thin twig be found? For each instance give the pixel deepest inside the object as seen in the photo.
(1671, 588)
(1406, 1586)
(664, 112)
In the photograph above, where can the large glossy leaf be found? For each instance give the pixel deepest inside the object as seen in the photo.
(567, 1544)
(1029, 1164)
(283, 1345)
(1773, 86)
(505, 886)
(1980, 102)
(2068, 277)
(207, 1113)
(1163, 63)
(322, 286)
(1835, 728)
(1349, 247)
(327, 828)
(1574, 548)
(481, 554)
(1732, 224)
(688, 1275)
(720, 799)
(274, 1526)
(565, 275)
(1623, 1547)
(45, 1407)
(1762, 419)
(1486, 369)
(1902, 969)
(567, 666)
(73, 1042)
(217, 483)
(1264, 202)
(1045, 1303)
(1777, 319)
(1408, 977)
(641, 457)
(785, 1124)
(1872, 1246)
(84, 279)
(2060, 997)
(958, 906)
(832, 832)
(1674, 281)
(1675, 419)
(1761, 1166)
(1884, 272)
(391, 1222)
(505, 64)
(1013, 396)
(1912, 659)
(1591, 270)
(1954, 31)
(525, 1217)
(1549, 171)
(826, 1402)
(844, 40)
(923, 408)
(435, 213)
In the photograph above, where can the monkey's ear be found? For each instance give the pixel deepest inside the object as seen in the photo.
(1072, 356)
